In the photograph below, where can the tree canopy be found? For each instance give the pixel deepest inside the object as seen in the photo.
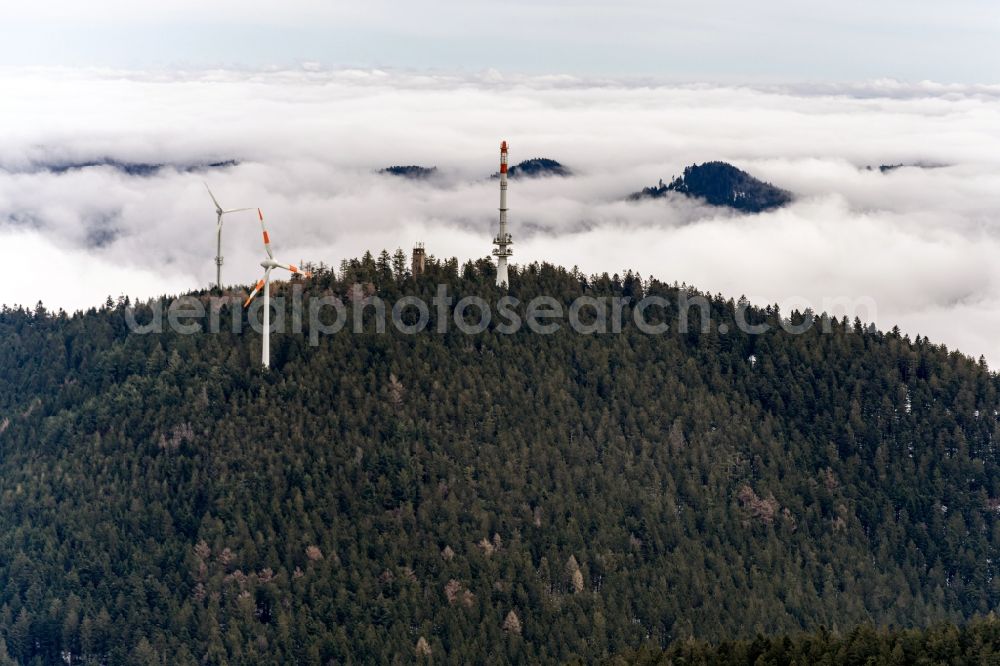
(490, 498)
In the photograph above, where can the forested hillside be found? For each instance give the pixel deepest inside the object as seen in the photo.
(720, 184)
(387, 498)
(975, 643)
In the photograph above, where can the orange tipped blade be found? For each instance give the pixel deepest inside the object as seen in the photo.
(256, 289)
(292, 268)
(267, 239)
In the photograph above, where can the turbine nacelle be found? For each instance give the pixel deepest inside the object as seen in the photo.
(270, 262)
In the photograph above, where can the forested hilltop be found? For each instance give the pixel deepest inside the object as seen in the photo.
(720, 184)
(390, 498)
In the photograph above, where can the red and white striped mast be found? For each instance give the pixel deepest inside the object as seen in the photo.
(502, 240)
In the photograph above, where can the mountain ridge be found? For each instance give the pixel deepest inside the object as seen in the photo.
(139, 169)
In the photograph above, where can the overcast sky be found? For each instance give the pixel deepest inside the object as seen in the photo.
(718, 40)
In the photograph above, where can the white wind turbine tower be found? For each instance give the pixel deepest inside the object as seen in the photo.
(265, 284)
(219, 212)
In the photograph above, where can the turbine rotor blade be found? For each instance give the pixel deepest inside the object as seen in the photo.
(218, 208)
(234, 210)
(292, 268)
(256, 290)
(267, 239)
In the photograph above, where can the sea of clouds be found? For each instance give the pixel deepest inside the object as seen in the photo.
(920, 243)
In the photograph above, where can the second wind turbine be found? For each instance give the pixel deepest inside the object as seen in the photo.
(219, 212)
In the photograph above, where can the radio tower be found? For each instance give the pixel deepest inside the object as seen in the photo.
(502, 241)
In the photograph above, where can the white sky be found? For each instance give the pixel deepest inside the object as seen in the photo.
(766, 40)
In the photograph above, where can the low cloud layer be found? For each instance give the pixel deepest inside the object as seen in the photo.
(921, 243)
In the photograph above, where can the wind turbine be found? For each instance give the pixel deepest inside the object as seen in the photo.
(265, 284)
(219, 212)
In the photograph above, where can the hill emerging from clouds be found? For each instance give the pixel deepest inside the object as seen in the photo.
(537, 167)
(721, 184)
(412, 171)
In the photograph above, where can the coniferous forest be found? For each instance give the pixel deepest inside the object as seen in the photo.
(693, 497)
(976, 643)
